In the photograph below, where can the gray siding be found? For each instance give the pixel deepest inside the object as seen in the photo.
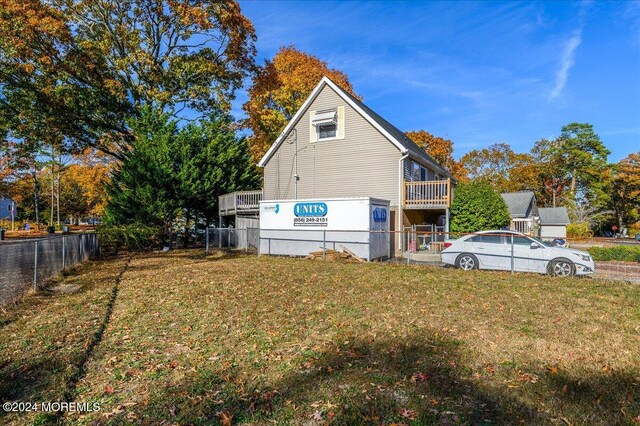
(364, 163)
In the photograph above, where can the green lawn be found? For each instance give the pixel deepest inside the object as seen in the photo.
(263, 340)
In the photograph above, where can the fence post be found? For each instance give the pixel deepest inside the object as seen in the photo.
(512, 261)
(63, 254)
(229, 238)
(206, 244)
(35, 268)
(408, 239)
(220, 237)
(324, 244)
(246, 240)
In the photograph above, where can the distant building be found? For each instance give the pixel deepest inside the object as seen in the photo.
(553, 222)
(8, 208)
(523, 211)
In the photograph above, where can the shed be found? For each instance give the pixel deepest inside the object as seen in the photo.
(522, 209)
(8, 207)
(553, 222)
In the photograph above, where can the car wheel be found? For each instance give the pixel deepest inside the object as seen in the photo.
(467, 262)
(561, 268)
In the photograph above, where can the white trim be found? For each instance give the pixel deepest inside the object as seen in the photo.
(325, 81)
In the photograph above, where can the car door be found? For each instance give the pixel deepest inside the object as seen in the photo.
(522, 253)
(491, 251)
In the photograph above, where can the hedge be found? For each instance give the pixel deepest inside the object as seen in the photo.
(627, 253)
(116, 238)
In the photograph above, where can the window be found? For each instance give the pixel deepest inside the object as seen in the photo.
(418, 173)
(487, 239)
(326, 131)
(325, 123)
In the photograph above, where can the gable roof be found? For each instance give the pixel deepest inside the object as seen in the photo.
(553, 216)
(388, 130)
(519, 203)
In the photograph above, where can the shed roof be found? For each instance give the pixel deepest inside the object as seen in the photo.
(554, 216)
(518, 203)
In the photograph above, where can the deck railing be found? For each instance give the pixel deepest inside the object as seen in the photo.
(239, 201)
(427, 194)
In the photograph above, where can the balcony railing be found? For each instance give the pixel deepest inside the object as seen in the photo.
(239, 202)
(433, 194)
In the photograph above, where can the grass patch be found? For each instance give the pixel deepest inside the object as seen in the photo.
(196, 340)
(625, 253)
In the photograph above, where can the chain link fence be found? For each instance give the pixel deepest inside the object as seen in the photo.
(415, 244)
(28, 264)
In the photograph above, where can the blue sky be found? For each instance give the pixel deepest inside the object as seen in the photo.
(475, 72)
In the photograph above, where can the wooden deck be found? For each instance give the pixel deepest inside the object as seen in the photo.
(239, 202)
(433, 194)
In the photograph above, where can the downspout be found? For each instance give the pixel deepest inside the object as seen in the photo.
(400, 184)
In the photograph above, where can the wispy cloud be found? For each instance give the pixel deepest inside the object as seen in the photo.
(566, 62)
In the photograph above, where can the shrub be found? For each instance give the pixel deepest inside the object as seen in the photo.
(134, 237)
(477, 207)
(579, 230)
(624, 253)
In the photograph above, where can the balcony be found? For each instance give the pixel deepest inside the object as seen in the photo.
(239, 202)
(433, 194)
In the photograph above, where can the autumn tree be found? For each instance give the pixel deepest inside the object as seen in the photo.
(89, 65)
(576, 159)
(622, 190)
(439, 149)
(279, 89)
(502, 168)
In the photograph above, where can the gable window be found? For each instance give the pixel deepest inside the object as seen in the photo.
(327, 124)
(327, 131)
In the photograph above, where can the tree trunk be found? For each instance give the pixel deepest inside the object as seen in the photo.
(186, 228)
(52, 197)
(58, 198)
(35, 197)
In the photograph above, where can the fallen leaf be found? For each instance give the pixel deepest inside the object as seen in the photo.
(408, 414)
(225, 418)
(419, 377)
(108, 389)
(317, 416)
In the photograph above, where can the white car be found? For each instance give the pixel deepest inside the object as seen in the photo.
(493, 250)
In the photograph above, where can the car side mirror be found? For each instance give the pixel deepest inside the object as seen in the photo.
(534, 246)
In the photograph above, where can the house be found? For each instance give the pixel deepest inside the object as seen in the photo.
(553, 222)
(523, 211)
(336, 146)
(8, 208)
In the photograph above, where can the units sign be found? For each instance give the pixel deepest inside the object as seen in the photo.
(380, 214)
(310, 214)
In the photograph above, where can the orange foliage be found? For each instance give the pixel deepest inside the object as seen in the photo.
(441, 150)
(91, 180)
(279, 89)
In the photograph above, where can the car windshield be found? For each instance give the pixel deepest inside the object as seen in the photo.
(545, 243)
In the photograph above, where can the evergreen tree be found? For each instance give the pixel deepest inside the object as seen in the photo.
(171, 171)
(477, 207)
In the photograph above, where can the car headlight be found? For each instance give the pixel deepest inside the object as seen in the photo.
(585, 258)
